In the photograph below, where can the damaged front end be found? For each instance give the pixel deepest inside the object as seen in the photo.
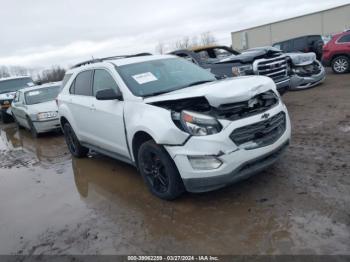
(198, 118)
(305, 70)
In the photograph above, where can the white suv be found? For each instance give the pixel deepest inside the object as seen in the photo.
(180, 126)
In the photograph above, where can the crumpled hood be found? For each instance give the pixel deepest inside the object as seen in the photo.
(301, 59)
(225, 91)
(250, 55)
(8, 96)
(43, 107)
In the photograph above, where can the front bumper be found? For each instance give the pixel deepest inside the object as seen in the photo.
(242, 172)
(237, 162)
(46, 126)
(302, 82)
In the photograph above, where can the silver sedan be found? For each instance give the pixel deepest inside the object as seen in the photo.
(35, 108)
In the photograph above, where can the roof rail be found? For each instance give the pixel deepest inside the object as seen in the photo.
(98, 60)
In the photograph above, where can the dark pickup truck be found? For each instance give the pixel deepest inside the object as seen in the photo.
(226, 62)
(8, 88)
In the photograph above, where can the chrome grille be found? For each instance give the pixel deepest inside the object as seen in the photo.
(262, 133)
(276, 68)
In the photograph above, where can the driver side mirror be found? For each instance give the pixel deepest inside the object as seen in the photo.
(109, 94)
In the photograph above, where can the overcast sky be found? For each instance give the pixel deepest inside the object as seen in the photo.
(41, 33)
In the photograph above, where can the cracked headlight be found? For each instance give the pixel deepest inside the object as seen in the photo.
(46, 115)
(198, 124)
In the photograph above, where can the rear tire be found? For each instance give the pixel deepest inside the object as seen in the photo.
(159, 171)
(74, 146)
(340, 65)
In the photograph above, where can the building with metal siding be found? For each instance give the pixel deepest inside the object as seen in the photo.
(326, 22)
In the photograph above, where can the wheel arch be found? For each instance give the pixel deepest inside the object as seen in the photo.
(63, 121)
(138, 139)
(340, 54)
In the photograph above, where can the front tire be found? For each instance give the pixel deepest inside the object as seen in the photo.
(340, 65)
(33, 130)
(17, 123)
(159, 171)
(74, 146)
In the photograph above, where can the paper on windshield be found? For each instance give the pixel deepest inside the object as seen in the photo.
(144, 78)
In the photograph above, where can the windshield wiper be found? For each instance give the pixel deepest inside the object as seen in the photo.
(191, 84)
(157, 93)
(199, 82)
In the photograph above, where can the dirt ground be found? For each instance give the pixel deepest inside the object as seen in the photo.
(52, 204)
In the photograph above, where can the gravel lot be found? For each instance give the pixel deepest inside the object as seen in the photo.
(52, 204)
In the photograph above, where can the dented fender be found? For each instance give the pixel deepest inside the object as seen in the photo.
(153, 120)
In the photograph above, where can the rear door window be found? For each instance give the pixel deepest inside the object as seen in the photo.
(82, 84)
(299, 44)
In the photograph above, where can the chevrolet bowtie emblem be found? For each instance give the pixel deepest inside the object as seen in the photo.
(265, 116)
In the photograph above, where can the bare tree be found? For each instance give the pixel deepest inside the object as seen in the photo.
(53, 74)
(18, 71)
(194, 41)
(160, 48)
(207, 38)
(184, 43)
(4, 72)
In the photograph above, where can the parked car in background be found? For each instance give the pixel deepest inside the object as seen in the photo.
(305, 70)
(176, 122)
(8, 88)
(226, 62)
(336, 53)
(35, 108)
(306, 44)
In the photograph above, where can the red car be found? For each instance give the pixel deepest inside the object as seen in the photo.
(336, 53)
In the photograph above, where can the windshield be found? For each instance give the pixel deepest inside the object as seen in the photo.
(42, 95)
(162, 76)
(12, 85)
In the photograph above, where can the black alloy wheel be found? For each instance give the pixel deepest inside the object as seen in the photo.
(73, 143)
(159, 171)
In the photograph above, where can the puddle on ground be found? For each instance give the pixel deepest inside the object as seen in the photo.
(52, 204)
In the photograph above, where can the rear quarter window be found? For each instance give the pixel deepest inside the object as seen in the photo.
(344, 39)
(82, 84)
(66, 78)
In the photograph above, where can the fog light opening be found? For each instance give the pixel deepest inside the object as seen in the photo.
(204, 162)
